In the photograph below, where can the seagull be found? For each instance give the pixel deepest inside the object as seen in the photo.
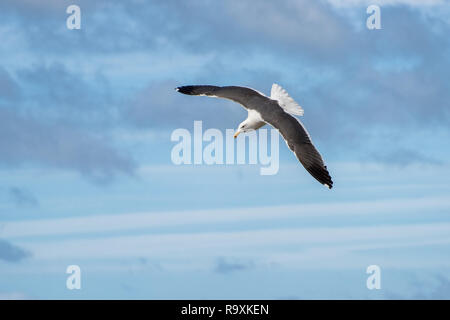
(278, 110)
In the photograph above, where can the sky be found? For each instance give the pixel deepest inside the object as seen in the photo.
(86, 117)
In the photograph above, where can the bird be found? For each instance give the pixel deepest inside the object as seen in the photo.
(279, 111)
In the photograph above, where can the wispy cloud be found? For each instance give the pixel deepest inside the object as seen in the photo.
(152, 220)
(434, 287)
(9, 89)
(22, 197)
(403, 157)
(14, 296)
(12, 253)
(412, 3)
(346, 247)
(440, 289)
(226, 266)
(299, 239)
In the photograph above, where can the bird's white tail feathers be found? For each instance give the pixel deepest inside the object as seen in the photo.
(285, 101)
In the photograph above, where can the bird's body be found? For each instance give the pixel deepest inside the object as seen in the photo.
(254, 120)
(276, 110)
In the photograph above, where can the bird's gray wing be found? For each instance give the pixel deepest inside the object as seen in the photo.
(242, 95)
(299, 141)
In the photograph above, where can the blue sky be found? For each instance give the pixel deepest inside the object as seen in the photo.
(87, 179)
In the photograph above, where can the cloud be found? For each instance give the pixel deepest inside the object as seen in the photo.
(12, 253)
(22, 197)
(14, 296)
(154, 220)
(56, 117)
(9, 89)
(43, 26)
(26, 140)
(193, 26)
(296, 236)
(352, 82)
(404, 157)
(289, 23)
(59, 93)
(437, 287)
(337, 247)
(440, 292)
(225, 266)
(412, 3)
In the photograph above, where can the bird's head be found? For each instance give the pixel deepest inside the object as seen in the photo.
(243, 127)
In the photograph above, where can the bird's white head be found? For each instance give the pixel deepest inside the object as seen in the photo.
(243, 127)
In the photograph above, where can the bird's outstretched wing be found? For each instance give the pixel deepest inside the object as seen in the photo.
(299, 141)
(241, 95)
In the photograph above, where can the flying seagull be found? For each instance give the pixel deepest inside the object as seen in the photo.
(276, 110)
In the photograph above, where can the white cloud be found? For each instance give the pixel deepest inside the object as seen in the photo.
(152, 220)
(13, 296)
(158, 237)
(293, 248)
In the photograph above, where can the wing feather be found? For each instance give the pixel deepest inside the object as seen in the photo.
(299, 141)
(241, 95)
(285, 101)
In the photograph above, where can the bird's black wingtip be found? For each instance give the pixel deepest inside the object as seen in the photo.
(185, 89)
(328, 182)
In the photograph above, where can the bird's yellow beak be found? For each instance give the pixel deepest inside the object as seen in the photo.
(236, 134)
